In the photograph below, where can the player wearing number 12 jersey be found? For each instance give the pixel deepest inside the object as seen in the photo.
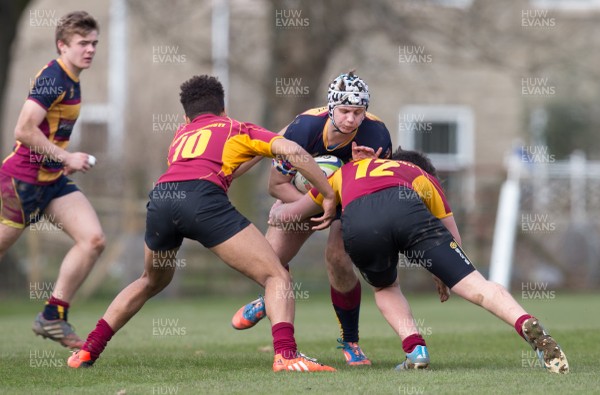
(394, 206)
(335, 129)
(190, 201)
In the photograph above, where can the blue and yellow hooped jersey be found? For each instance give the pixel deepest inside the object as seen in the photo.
(310, 130)
(57, 91)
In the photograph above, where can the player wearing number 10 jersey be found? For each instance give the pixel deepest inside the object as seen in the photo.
(190, 200)
(211, 147)
(394, 206)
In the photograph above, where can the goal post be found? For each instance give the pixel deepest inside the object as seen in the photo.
(505, 228)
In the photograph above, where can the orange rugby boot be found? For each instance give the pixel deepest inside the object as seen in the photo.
(301, 363)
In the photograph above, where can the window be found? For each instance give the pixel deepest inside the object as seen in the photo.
(444, 133)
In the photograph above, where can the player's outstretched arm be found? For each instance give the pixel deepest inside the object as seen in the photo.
(306, 165)
(324, 220)
(244, 167)
(281, 188)
(296, 211)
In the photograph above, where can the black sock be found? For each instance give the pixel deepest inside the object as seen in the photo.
(348, 320)
(55, 312)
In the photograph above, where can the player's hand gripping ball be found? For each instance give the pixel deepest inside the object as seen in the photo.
(328, 163)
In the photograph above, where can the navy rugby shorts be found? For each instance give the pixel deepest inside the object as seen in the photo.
(22, 203)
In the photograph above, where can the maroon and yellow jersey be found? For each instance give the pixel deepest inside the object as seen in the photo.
(211, 147)
(356, 179)
(57, 91)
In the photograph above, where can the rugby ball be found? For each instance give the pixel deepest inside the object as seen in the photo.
(328, 163)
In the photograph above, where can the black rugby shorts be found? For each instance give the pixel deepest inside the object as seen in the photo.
(197, 210)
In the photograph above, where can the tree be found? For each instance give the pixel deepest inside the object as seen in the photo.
(10, 14)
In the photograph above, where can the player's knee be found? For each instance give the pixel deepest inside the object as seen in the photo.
(156, 281)
(270, 271)
(338, 258)
(96, 242)
(279, 273)
(277, 281)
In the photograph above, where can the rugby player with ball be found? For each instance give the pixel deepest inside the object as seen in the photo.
(343, 129)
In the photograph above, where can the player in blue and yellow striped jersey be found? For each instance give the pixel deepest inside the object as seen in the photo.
(392, 206)
(337, 129)
(33, 178)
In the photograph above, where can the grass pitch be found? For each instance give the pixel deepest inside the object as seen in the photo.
(189, 347)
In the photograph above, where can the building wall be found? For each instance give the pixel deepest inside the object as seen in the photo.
(168, 44)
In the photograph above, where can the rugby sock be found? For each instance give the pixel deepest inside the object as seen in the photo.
(98, 338)
(55, 309)
(412, 341)
(519, 324)
(283, 340)
(347, 309)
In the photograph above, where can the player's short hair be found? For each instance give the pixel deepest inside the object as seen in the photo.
(417, 158)
(77, 22)
(201, 94)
